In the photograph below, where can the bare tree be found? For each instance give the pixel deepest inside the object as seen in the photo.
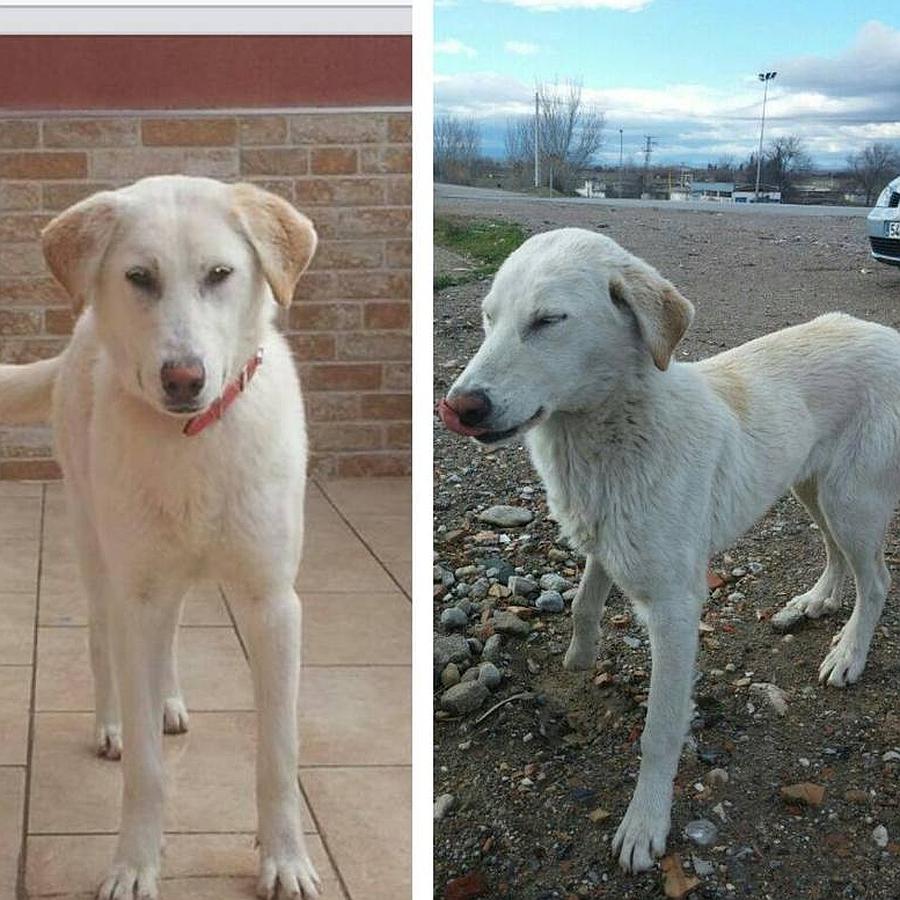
(569, 135)
(874, 167)
(785, 162)
(457, 149)
(723, 169)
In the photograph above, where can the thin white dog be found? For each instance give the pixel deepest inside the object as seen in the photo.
(179, 427)
(651, 465)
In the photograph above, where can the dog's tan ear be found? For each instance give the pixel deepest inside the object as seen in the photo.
(75, 241)
(284, 240)
(662, 314)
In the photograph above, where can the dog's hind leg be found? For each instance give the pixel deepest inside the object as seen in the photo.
(673, 625)
(858, 516)
(824, 596)
(108, 724)
(175, 714)
(587, 608)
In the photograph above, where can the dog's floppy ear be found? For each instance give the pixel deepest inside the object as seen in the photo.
(662, 314)
(284, 240)
(75, 241)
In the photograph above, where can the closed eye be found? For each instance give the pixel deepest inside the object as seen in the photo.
(141, 278)
(544, 321)
(217, 274)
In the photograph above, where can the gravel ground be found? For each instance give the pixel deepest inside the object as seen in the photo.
(539, 785)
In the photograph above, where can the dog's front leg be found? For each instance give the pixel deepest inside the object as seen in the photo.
(673, 626)
(141, 634)
(273, 641)
(587, 608)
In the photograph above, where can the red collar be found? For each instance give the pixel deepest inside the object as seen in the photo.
(232, 391)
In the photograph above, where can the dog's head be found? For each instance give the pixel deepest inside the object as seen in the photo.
(570, 313)
(181, 273)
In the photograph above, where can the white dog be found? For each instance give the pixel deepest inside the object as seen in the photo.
(179, 427)
(651, 465)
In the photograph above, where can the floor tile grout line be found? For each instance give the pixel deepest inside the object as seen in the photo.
(62, 626)
(312, 815)
(167, 831)
(32, 702)
(237, 631)
(361, 539)
(317, 825)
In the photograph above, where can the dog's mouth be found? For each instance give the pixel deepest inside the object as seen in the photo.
(180, 410)
(496, 437)
(485, 436)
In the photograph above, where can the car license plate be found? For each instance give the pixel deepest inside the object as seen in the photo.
(892, 229)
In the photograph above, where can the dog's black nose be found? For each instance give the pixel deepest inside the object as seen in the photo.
(182, 379)
(473, 407)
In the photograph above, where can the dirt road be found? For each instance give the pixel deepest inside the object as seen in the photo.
(538, 787)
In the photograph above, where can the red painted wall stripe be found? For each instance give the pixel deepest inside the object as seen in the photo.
(67, 72)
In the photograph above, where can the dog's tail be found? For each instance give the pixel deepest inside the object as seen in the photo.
(26, 392)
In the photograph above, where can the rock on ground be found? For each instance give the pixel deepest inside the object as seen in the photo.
(506, 516)
(464, 698)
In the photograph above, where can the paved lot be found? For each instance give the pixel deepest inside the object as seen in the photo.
(461, 193)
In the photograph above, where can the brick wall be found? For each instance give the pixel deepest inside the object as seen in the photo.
(349, 325)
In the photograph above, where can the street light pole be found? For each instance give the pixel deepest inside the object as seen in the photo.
(621, 158)
(765, 78)
(537, 151)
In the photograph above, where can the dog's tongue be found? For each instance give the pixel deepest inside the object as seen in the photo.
(450, 418)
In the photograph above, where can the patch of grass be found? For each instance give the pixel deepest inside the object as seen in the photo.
(448, 279)
(486, 242)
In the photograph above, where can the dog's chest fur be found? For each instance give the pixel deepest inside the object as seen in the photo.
(599, 484)
(202, 498)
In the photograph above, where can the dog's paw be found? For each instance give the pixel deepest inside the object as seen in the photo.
(811, 605)
(289, 876)
(580, 656)
(109, 740)
(845, 661)
(127, 882)
(641, 836)
(175, 716)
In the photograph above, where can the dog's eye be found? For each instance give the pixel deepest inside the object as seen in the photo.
(217, 274)
(141, 277)
(544, 321)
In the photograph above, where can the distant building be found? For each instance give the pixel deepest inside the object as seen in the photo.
(748, 195)
(592, 189)
(716, 191)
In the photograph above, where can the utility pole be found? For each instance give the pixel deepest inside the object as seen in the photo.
(537, 151)
(648, 149)
(621, 162)
(765, 78)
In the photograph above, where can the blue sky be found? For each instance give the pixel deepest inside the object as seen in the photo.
(681, 70)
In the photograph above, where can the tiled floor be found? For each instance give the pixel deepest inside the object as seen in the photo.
(59, 803)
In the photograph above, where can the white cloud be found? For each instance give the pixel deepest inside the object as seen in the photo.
(836, 105)
(871, 65)
(481, 94)
(558, 5)
(689, 122)
(453, 47)
(521, 48)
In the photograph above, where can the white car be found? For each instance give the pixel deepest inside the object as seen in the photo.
(884, 225)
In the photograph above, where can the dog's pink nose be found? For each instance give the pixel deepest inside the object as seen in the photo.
(182, 380)
(464, 413)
